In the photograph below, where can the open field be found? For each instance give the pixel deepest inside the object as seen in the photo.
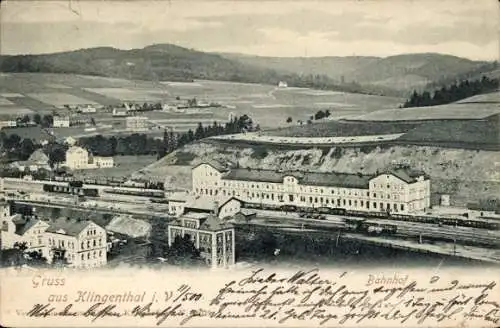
(59, 99)
(124, 166)
(135, 95)
(463, 111)
(14, 110)
(5, 101)
(267, 105)
(493, 97)
(340, 129)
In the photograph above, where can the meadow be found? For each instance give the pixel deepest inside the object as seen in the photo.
(455, 111)
(267, 105)
(124, 166)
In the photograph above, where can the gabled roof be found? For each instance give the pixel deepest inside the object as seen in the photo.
(69, 226)
(406, 174)
(38, 157)
(73, 149)
(23, 227)
(213, 223)
(326, 179)
(213, 163)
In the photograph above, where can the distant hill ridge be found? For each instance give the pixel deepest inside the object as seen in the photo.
(401, 72)
(395, 75)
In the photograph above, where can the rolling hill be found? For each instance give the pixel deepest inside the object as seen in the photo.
(401, 72)
(395, 75)
(165, 62)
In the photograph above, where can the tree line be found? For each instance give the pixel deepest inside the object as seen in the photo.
(141, 144)
(455, 92)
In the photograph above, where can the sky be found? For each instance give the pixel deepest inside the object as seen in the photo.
(287, 28)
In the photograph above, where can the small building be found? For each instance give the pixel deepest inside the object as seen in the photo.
(61, 122)
(100, 162)
(213, 238)
(7, 121)
(77, 158)
(444, 200)
(37, 160)
(222, 207)
(86, 109)
(70, 141)
(245, 215)
(16, 229)
(120, 112)
(136, 123)
(282, 84)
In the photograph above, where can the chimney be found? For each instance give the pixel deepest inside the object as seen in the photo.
(216, 208)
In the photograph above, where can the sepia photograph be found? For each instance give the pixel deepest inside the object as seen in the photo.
(250, 163)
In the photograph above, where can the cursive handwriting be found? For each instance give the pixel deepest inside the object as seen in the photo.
(304, 296)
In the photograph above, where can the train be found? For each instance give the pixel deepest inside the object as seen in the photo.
(70, 188)
(463, 221)
(370, 227)
(142, 193)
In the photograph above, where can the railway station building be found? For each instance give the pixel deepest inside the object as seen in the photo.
(398, 189)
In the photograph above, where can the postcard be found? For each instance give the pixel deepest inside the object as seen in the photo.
(249, 163)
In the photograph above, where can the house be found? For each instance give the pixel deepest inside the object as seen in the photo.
(70, 141)
(213, 238)
(82, 243)
(221, 207)
(282, 84)
(7, 121)
(397, 189)
(16, 229)
(136, 123)
(86, 109)
(120, 112)
(100, 162)
(61, 122)
(77, 158)
(37, 160)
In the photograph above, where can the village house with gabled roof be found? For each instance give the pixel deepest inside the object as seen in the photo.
(37, 160)
(82, 243)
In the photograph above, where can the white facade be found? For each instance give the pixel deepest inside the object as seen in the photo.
(136, 123)
(103, 162)
(83, 244)
(85, 249)
(61, 122)
(394, 190)
(33, 235)
(215, 241)
(8, 123)
(87, 109)
(229, 208)
(77, 158)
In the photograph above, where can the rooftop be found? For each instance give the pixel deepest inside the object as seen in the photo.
(69, 226)
(214, 163)
(306, 178)
(208, 222)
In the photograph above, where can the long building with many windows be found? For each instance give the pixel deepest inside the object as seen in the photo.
(398, 189)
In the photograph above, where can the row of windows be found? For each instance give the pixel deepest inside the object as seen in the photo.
(71, 245)
(302, 189)
(94, 255)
